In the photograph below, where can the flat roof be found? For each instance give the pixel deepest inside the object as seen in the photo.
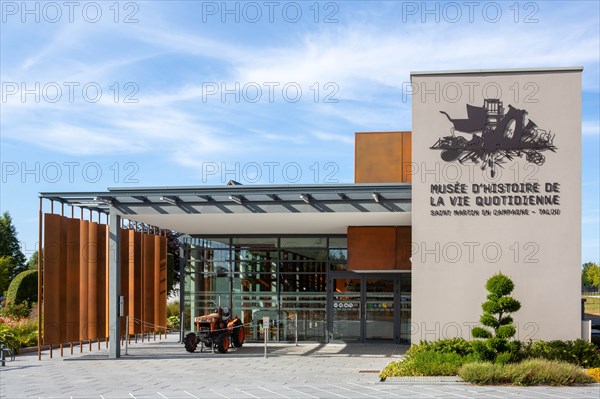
(252, 209)
(503, 70)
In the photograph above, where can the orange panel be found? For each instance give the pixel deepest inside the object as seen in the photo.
(92, 282)
(407, 168)
(102, 287)
(72, 248)
(379, 157)
(135, 281)
(371, 248)
(148, 281)
(52, 278)
(403, 247)
(83, 278)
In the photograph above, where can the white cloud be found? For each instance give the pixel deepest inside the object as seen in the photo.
(590, 128)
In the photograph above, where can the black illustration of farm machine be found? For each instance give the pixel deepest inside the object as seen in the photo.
(217, 330)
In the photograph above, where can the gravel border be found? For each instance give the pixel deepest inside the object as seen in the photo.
(425, 379)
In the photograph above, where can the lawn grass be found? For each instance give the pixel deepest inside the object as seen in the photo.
(592, 305)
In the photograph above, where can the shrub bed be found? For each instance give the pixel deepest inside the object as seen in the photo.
(595, 373)
(438, 358)
(578, 352)
(17, 334)
(528, 372)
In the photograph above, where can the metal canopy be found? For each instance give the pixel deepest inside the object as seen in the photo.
(242, 199)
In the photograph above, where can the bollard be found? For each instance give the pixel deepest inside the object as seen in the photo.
(2, 358)
(265, 334)
(126, 334)
(296, 327)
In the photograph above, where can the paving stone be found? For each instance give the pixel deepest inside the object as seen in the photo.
(304, 371)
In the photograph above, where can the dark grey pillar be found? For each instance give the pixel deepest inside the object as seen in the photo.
(182, 261)
(114, 285)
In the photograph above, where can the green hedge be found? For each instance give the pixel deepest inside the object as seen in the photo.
(23, 288)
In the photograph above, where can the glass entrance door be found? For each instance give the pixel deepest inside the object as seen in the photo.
(347, 309)
(379, 308)
(364, 307)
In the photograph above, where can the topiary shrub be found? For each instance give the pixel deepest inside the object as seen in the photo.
(496, 317)
(23, 288)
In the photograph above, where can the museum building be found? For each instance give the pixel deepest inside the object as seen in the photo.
(487, 181)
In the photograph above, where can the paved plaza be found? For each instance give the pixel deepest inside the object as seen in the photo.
(163, 369)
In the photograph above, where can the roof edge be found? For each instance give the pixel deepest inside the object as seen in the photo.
(502, 70)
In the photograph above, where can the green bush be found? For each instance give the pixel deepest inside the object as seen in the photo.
(173, 322)
(528, 372)
(173, 309)
(439, 363)
(578, 352)
(442, 357)
(24, 287)
(15, 311)
(459, 346)
(20, 334)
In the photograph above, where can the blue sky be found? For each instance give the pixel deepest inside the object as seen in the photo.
(144, 93)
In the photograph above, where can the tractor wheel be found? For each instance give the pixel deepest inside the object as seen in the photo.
(223, 345)
(190, 342)
(238, 335)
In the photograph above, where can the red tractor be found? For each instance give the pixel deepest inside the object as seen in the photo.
(218, 329)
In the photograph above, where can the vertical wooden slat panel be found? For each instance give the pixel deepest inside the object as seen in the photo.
(148, 281)
(162, 313)
(72, 279)
(62, 271)
(135, 281)
(52, 277)
(124, 289)
(407, 169)
(101, 287)
(156, 267)
(84, 256)
(92, 290)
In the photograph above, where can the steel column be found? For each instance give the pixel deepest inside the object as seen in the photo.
(114, 284)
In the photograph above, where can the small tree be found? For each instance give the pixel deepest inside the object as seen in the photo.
(591, 274)
(496, 316)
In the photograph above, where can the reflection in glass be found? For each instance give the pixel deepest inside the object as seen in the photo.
(346, 309)
(379, 307)
(257, 278)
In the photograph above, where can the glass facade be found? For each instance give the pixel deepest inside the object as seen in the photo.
(279, 277)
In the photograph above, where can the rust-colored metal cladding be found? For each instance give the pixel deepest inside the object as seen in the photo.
(135, 281)
(92, 282)
(102, 287)
(75, 285)
(407, 166)
(52, 276)
(382, 157)
(84, 255)
(403, 247)
(160, 289)
(371, 248)
(148, 281)
(71, 250)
